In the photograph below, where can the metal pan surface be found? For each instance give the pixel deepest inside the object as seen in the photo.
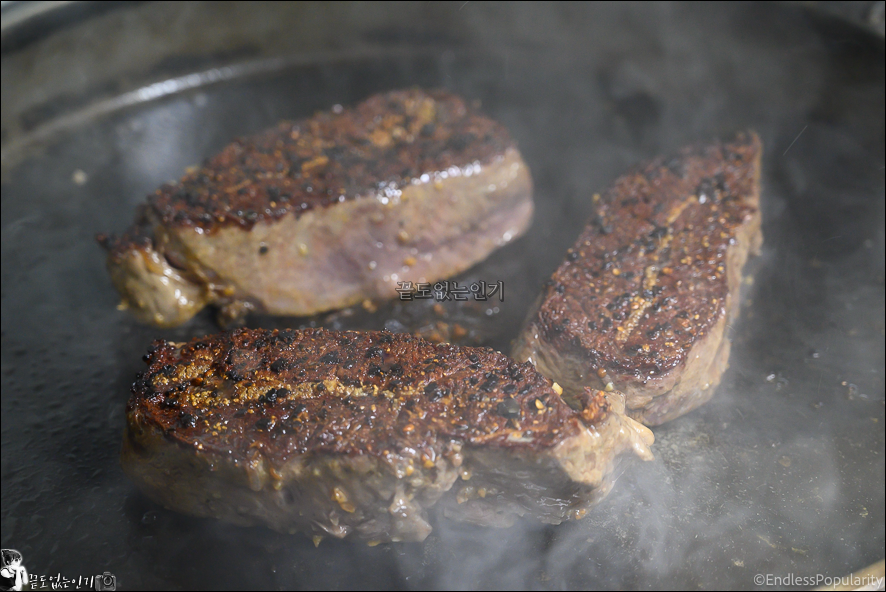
(782, 473)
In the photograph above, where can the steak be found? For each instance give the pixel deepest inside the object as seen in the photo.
(642, 301)
(327, 212)
(359, 433)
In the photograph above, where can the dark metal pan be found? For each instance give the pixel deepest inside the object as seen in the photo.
(782, 473)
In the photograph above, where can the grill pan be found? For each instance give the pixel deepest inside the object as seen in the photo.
(782, 473)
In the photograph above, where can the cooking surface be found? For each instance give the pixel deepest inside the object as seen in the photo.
(781, 473)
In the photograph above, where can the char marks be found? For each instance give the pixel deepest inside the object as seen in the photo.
(290, 392)
(647, 277)
(382, 145)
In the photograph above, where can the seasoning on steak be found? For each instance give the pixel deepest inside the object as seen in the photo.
(642, 301)
(357, 434)
(327, 212)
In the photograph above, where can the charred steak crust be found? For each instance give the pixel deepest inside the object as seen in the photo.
(413, 171)
(642, 299)
(355, 433)
(384, 144)
(455, 393)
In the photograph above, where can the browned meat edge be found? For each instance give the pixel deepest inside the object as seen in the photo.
(326, 212)
(642, 300)
(349, 433)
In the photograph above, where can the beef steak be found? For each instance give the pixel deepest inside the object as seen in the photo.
(323, 213)
(643, 298)
(357, 434)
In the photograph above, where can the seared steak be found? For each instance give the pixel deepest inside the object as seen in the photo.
(642, 301)
(350, 433)
(324, 213)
